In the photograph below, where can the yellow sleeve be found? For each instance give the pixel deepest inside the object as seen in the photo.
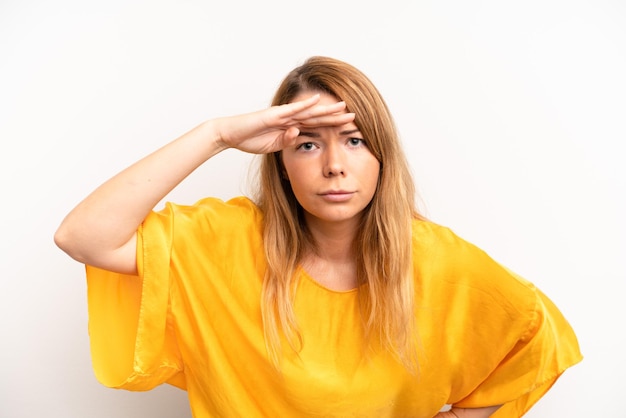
(133, 344)
(499, 340)
(531, 368)
(512, 342)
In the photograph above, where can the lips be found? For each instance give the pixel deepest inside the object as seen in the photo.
(337, 195)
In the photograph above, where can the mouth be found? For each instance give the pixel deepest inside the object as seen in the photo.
(337, 195)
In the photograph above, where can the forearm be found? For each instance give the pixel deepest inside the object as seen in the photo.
(106, 220)
(100, 231)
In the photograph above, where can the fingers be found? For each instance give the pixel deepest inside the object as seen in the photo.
(309, 113)
(274, 128)
(290, 136)
(327, 120)
(309, 109)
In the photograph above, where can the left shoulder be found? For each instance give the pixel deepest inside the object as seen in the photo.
(443, 259)
(428, 235)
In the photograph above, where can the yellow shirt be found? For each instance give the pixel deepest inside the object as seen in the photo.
(192, 318)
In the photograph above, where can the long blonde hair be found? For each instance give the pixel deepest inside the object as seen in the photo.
(383, 245)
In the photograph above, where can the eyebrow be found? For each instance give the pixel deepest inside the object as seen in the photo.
(316, 135)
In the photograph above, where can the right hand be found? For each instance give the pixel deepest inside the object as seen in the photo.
(277, 127)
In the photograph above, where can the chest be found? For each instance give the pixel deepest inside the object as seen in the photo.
(334, 372)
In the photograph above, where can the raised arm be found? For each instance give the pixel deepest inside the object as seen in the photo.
(101, 230)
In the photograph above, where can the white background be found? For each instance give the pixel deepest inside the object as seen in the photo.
(513, 115)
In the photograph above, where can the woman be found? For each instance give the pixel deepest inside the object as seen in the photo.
(326, 296)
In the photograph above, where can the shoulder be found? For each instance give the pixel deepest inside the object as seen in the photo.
(223, 229)
(427, 234)
(450, 264)
(240, 205)
(431, 240)
(208, 218)
(440, 246)
(213, 211)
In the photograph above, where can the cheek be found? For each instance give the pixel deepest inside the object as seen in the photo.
(372, 174)
(288, 172)
(297, 177)
(287, 166)
(296, 171)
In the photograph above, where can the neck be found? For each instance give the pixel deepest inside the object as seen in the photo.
(333, 241)
(332, 262)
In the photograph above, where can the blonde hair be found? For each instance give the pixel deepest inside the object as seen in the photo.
(384, 243)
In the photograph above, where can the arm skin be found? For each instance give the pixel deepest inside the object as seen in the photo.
(101, 230)
(468, 412)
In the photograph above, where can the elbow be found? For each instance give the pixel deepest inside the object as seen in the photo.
(60, 238)
(81, 246)
(64, 240)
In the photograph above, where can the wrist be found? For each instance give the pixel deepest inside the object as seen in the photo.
(212, 137)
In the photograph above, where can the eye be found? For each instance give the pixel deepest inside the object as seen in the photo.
(355, 142)
(306, 146)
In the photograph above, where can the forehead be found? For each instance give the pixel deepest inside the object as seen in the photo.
(325, 98)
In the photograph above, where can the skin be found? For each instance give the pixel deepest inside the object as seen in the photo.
(468, 412)
(336, 158)
(334, 177)
(101, 230)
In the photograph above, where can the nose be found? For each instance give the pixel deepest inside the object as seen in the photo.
(334, 162)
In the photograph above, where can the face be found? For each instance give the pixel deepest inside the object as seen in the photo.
(332, 172)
